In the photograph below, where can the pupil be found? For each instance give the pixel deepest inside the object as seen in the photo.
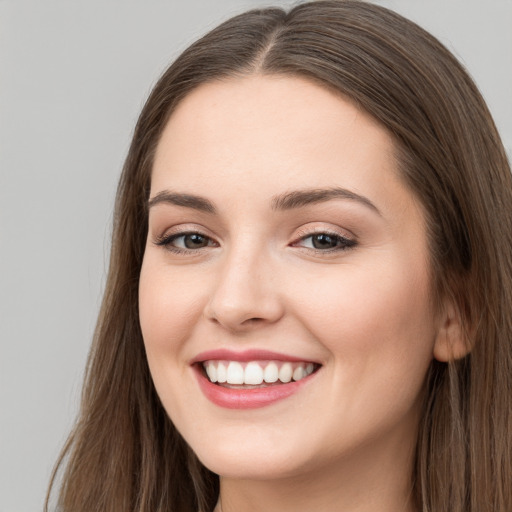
(194, 241)
(324, 241)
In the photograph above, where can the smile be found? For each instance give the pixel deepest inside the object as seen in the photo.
(251, 379)
(256, 373)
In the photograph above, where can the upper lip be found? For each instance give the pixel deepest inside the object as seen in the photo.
(223, 354)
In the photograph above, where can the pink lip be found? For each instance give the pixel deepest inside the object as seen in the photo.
(230, 398)
(247, 355)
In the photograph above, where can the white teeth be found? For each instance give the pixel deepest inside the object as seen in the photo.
(211, 371)
(299, 373)
(255, 373)
(286, 373)
(235, 373)
(221, 372)
(271, 373)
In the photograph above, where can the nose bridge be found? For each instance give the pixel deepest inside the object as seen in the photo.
(245, 289)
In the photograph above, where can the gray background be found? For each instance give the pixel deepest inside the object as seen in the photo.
(74, 75)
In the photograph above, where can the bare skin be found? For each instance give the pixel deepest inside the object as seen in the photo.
(342, 281)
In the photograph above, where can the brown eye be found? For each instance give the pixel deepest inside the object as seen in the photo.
(324, 242)
(194, 241)
(182, 242)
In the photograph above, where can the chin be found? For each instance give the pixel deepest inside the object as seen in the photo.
(261, 468)
(252, 459)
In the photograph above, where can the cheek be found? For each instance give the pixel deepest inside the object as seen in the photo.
(169, 309)
(376, 322)
(169, 306)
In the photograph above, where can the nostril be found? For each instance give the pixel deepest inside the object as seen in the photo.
(237, 324)
(253, 320)
(235, 305)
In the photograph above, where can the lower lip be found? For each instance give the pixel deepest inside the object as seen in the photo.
(231, 398)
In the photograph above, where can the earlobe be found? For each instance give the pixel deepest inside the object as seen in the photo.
(451, 342)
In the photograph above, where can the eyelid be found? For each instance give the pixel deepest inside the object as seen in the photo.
(183, 229)
(161, 240)
(317, 229)
(165, 240)
(348, 239)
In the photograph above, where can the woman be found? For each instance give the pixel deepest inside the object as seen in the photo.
(308, 303)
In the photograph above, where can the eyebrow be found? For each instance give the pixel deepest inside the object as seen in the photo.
(299, 198)
(187, 200)
(286, 201)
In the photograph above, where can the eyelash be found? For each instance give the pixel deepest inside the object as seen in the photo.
(342, 243)
(166, 241)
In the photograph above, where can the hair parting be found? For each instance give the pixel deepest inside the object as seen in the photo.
(125, 455)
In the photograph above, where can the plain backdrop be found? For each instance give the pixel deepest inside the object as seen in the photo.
(73, 77)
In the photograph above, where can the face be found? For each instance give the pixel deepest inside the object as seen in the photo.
(285, 255)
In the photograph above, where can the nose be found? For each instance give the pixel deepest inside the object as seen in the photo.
(246, 293)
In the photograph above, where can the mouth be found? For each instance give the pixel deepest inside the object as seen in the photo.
(251, 379)
(256, 374)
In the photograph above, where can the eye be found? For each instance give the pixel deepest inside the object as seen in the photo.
(190, 241)
(325, 242)
(185, 242)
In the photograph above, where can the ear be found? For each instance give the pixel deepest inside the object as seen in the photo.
(451, 342)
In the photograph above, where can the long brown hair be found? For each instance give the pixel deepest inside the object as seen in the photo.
(125, 455)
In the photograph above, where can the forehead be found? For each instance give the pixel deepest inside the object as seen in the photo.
(274, 132)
